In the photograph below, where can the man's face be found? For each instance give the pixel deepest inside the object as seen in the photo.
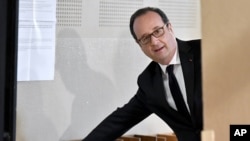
(159, 49)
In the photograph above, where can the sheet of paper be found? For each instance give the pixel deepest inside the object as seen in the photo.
(36, 40)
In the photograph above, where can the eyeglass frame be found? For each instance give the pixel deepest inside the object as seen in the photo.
(148, 37)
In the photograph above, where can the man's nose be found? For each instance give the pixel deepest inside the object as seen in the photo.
(153, 40)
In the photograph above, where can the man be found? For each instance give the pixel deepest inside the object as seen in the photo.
(153, 32)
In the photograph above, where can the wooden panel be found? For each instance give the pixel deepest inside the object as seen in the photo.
(128, 138)
(147, 137)
(225, 65)
(169, 137)
(161, 139)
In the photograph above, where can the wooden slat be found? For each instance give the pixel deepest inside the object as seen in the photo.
(169, 137)
(128, 138)
(147, 137)
(161, 139)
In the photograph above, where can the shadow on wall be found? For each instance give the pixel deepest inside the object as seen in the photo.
(93, 92)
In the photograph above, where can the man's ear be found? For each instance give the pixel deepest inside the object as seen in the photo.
(170, 27)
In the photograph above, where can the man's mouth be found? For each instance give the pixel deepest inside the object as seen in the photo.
(159, 49)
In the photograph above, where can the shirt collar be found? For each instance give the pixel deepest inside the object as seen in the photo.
(175, 60)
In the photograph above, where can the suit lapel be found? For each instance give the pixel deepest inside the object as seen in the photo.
(188, 71)
(158, 86)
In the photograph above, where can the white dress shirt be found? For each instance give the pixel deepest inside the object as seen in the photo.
(179, 76)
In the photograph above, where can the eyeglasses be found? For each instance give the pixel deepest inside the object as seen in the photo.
(157, 33)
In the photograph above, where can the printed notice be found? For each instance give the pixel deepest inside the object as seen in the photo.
(36, 40)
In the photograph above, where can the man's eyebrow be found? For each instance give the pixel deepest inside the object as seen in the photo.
(156, 27)
(146, 34)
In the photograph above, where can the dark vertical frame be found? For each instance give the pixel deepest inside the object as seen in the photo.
(8, 68)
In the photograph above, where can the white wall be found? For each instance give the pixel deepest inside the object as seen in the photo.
(95, 72)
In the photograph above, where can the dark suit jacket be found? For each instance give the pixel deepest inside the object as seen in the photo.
(150, 98)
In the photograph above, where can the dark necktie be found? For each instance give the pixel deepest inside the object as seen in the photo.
(176, 92)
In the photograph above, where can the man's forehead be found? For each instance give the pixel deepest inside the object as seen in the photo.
(146, 23)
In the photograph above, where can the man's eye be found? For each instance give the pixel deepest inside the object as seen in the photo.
(157, 31)
(145, 38)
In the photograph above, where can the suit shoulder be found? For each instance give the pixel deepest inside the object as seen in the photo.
(150, 69)
(189, 45)
(194, 43)
(146, 78)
